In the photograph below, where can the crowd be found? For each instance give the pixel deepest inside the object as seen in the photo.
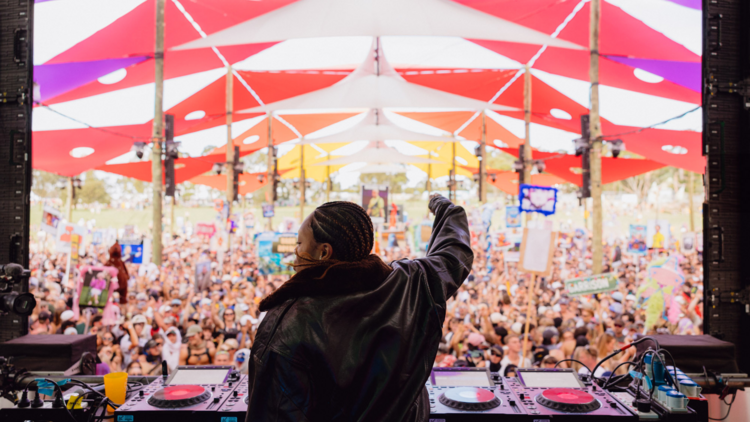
(172, 314)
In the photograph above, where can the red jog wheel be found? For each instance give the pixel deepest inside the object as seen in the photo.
(568, 400)
(179, 396)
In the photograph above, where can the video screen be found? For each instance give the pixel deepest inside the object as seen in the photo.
(199, 376)
(562, 379)
(460, 379)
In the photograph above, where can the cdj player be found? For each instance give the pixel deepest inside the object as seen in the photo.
(191, 393)
(473, 394)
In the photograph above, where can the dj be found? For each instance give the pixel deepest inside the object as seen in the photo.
(349, 338)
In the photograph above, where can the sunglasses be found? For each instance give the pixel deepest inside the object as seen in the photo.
(158, 343)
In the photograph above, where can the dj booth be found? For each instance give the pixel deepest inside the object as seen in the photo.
(220, 394)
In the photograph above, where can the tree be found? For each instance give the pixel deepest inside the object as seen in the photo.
(93, 190)
(45, 185)
(394, 181)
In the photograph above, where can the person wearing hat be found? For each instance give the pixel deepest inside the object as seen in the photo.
(222, 358)
(241, 359)
(137, 337)
(494, 358)
(197, 351)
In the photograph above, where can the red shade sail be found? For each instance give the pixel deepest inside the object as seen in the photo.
(568, 167)
(248, 183)
(71, 152)
(184, 168)
(451, 121)
(507, 181)
(621, 34)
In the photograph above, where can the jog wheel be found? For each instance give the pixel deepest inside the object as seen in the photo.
(568, 400)
(175, 396)
(469, 398)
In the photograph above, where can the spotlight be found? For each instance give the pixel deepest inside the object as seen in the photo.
(138, 148)
(478, 151)
(540, 166)
(77, 183)
(493, 176)
(239, 167)
(261, 177)
(581, 145)
(476, 177)
(218, 167)
(518, 165)
(617, 147)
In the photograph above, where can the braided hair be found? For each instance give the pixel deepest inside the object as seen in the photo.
(347, 227)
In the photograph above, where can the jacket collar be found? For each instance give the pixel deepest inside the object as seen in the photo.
(334, 278)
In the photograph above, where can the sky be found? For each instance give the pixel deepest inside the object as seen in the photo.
(61, 24)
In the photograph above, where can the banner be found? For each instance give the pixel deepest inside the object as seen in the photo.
(637, 240)
(512, 217)
(537, 249)
(205, 229)
(64, 233)
(131, 252)
(268, 211)
(539, 199)
(50, 220)
(589, 285)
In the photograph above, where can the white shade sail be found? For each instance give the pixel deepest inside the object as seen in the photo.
(375, 84)
(382, 168)
(375, 127)
(378, 153)
(342, 18)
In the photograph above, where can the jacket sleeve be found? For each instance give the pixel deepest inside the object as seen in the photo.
(449, 257)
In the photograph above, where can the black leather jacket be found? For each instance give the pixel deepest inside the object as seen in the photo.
(366, 355)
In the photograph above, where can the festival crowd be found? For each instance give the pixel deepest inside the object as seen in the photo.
(201, 307)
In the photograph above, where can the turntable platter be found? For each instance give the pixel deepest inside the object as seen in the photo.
(470, 398)
(568, 400)
(175, 396)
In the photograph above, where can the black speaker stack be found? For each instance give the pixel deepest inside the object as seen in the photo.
(16, 98)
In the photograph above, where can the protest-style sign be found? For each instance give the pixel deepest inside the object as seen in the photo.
(65, 231)
(512, 216)
(268, 210)
(539, 199)
(600, 283)
(205, 229)
(688, 243)
(637, 240)
(657, 234)
(50, 220)
(537, 250)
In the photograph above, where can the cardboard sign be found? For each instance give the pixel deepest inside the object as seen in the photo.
(537, 249)
(268, 210)
(64, 234)
(637, 240)
(75, 243)
(375, 200)
(50, 220)
(589, 285)
(512, 216)
(284, 244)
(688, 243)
(205, 229)
(657, 234)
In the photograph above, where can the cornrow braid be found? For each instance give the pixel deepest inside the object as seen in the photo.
(347, 227)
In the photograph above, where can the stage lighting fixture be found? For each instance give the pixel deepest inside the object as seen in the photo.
(138, 148)
(518, 166)
(493, 176)
(218, 167)
(581, 145)
(239, 167)
(261, 177)
(540, 166)
(617, 147)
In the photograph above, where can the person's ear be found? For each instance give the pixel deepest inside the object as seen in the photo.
(326, 251)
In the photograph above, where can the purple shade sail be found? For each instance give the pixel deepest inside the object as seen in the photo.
(687, 74)
(693, 4)
(57, 79)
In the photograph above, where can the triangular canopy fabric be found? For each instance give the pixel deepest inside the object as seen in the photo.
(680, 78)
(378, 153)
(184, 168)
(71, 152)
(484, 84)
(342, 18)
(621, 34)
(290, 162)
(375, 127)
(508, 181)
(382, 168)
(451, 121)
(248, 182)
(376, 85)
(249, 87)
(304, 124)
(568, 167)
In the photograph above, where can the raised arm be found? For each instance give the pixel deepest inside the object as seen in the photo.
(449, 256)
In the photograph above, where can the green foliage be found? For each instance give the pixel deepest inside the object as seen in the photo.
(44, 185)
(394, 181)
(93, 190)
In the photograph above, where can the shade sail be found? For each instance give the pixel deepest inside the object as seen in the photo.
(176, 64)
(375, 127)
(382, 168)
(248, 182)
(290, 162)
(621, 34)
(508, 181)
(693, 4)
(677, 148)
(568, 167)
(342, 18)
(57, 79)
(378, 153)
(133, 33)
(248, 87)
(451, 121)
(376, 85)
(484, 84)
(184, 168)
(71, 152)
(302, 123)
(619, 72)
